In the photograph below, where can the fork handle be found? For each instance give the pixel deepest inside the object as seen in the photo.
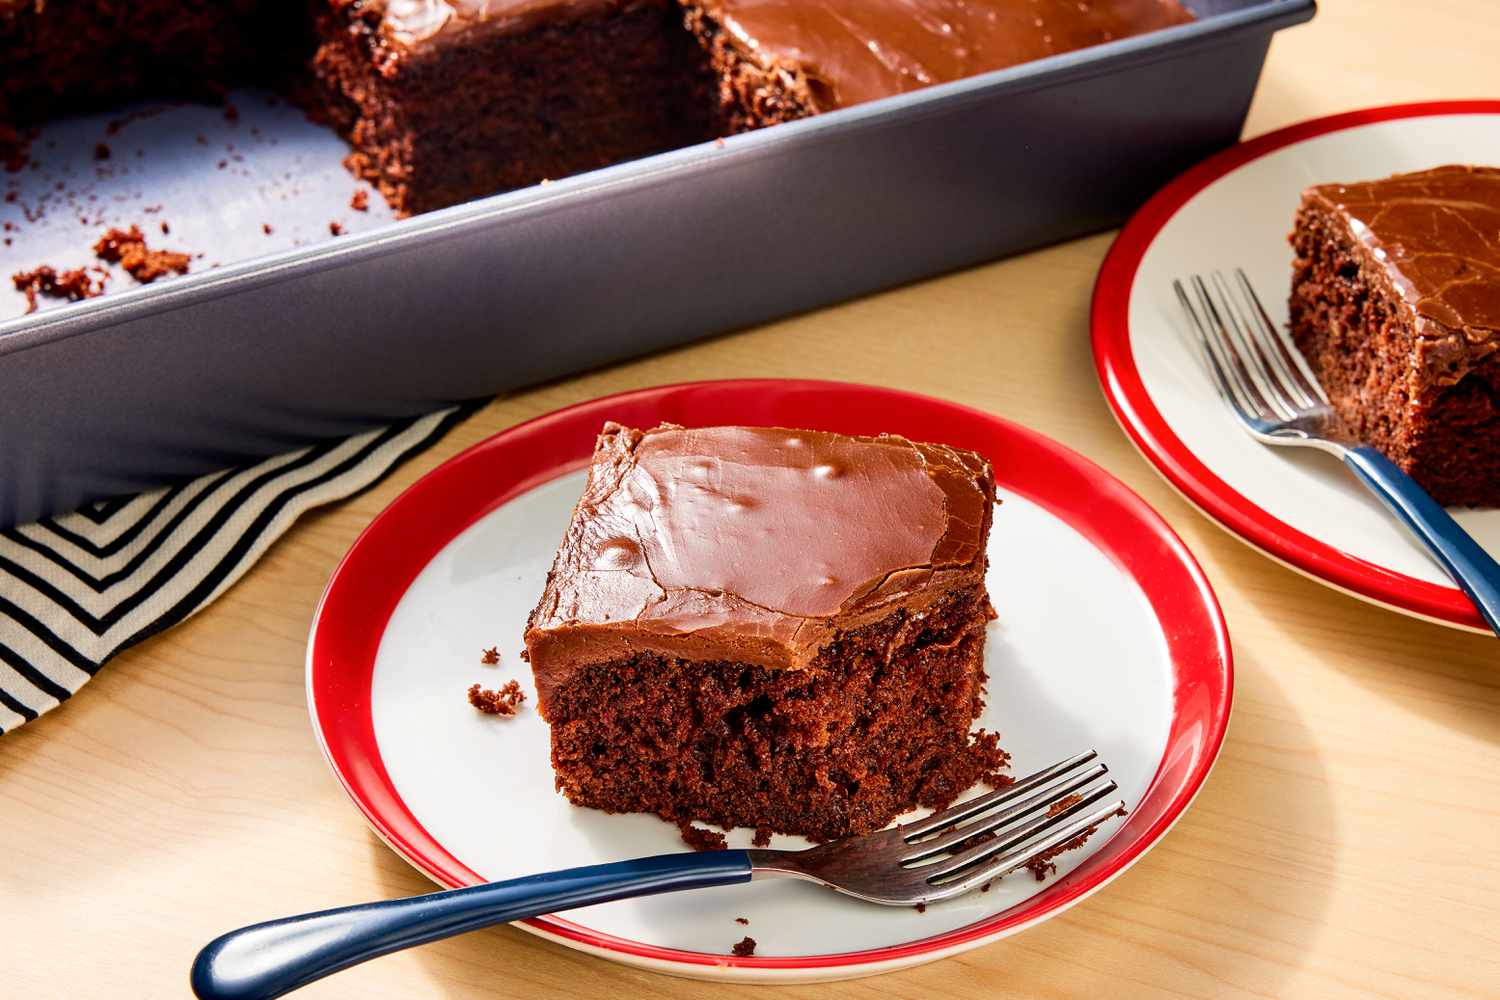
(273, 958)
(1472, 568)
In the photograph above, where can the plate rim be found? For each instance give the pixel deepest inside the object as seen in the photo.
(446, 870)
(1146, 428)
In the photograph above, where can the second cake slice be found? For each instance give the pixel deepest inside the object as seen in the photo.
(769, 628)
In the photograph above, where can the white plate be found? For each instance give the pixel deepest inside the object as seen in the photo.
(1236, 210)
(1082, 656)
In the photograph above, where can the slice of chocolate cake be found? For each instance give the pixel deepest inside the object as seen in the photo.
(1396, 305)
(768, 628)
(781, 61)
(448, 100)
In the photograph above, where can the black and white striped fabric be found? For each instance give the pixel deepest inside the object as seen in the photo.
(77, 589)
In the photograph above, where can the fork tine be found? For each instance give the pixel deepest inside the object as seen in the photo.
(1024, 855)
(1041, 800)
(1044, 812)
(979, 852)
(1288, 358)
(1216, 370)
(1220, 338)
(1252, 347)
(973, 807)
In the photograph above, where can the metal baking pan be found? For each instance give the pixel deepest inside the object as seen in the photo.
(262, 354)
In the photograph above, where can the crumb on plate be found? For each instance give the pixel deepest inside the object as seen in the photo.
(504, 701)
(700, 839)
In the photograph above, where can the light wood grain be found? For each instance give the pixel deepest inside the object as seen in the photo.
(1345, 845)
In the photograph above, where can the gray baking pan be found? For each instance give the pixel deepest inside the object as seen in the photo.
(326, 336)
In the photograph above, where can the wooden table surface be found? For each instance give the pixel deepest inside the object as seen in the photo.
(1343, 846)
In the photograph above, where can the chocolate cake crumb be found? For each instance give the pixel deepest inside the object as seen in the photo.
(71, 285)
(745, 948)
(1041, 866)
(920, 907)
(490, 657)
(1064, 804)
(742, 920)
(504, 701)
(166, 230)
(361, 200)
(127, 247)
(985, 887)
(762, 837)
(336, 228)
(101, 151)
(700, 839)
(265, 227)
(974, 841)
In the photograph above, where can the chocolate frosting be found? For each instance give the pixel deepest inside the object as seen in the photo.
(1435, 234)
(850, 52)
(753, 544)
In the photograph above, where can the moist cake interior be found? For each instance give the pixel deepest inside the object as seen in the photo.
(878, 724)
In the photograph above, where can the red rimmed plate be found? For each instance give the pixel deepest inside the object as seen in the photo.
(1235, 209)
(1109, 636)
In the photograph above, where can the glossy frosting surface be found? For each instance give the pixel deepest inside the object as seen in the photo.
(854, 52)
(1437, 233)
(753, 544)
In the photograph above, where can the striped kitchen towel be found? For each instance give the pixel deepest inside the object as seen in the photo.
(78, 588)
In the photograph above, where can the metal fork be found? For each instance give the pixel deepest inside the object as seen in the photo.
(922, 862)
(1263, 378)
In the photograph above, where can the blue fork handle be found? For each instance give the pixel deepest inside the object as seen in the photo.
(270, 959)
(1472, 568)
